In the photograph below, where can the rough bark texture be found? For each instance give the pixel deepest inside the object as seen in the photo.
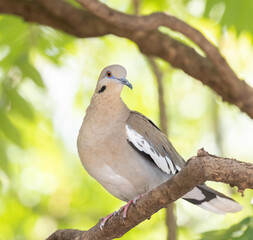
(199, 169)
(155, 20)
(143, 30)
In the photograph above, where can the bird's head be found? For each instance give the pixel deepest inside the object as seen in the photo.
(112, 77)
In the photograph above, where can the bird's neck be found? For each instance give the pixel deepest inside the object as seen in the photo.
(105, 113)
(109, 107)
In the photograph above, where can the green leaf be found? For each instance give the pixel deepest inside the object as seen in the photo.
(9, 130)
(12, 29)
(236, 13)
(29, 71)
(3, 155)
(53, 44)
(19, 104)
(240, 231)
(153, 6)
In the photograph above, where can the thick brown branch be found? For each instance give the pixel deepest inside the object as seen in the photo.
(152, 22)
(33, 12)
(84, 24)
(199, 169)
(79, 23)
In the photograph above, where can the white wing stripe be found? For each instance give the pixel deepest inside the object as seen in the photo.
(173, 170)
(141, 144)
(178, 168)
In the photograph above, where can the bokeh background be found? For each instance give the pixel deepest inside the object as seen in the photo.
(46, 81)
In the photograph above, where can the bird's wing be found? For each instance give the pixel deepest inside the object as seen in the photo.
(146, 137)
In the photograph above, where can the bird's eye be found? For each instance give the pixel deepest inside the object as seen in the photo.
(108, 74)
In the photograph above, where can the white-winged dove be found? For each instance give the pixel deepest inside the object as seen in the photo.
(127, 153)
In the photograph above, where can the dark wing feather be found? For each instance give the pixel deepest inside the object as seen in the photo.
(147, 137)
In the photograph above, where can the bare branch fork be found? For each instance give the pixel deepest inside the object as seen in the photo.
(201, 168)
(212, 71)
(152, 22)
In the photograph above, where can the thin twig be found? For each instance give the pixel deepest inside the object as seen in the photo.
(170, 213)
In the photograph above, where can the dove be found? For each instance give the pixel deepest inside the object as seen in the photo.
(128, 154)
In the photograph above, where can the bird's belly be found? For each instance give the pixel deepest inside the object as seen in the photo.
(116, 184)
(127, 176)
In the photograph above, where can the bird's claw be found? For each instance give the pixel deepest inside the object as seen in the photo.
(125, 208)
(104, 220)
(137, 198)
(116, 213)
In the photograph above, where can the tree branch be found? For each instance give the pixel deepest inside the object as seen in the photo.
(152, 22)
(33, 12)
(198, 169)
(61, 15)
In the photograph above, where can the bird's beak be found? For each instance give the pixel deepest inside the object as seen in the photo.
(125, 82)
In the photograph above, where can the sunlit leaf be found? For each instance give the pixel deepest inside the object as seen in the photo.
(9, 130)
(29, 71)
(19, 104)
(240, 231)
(12, 29)
(151, 6)
(235, 13)
(3, 155)
(52, 44)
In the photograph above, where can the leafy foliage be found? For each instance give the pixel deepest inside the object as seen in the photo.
(231, 13)
(18, 42)
(240, 231)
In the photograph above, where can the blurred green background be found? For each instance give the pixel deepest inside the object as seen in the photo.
(46, 81)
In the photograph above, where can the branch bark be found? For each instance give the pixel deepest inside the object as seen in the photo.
(152, 22)
(212, 71)
(198, 169)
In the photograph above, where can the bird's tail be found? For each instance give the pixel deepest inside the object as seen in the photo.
(211, 200)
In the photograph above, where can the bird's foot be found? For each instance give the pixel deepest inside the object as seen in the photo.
(104, 220)
(125, 208)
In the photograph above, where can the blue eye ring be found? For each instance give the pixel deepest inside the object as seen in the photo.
(108, 74)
